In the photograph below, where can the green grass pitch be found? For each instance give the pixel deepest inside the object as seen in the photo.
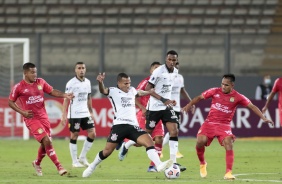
(256, 161)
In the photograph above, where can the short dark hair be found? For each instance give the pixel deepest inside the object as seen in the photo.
(122, 75)
(27, 66)
(155, 63)
(172, 52)
(229, 76)
(79, 63)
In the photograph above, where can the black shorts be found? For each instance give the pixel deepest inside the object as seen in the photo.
(84, 123)
(122, 131)
(153, 117)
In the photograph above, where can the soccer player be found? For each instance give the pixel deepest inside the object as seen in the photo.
(30, 93)
(217, 124)
(277, 88)
(160, 107)
(158, 132)
(80, 114)
(178, 90)
(125, 123)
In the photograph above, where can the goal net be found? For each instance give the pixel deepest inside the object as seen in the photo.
(13, 53)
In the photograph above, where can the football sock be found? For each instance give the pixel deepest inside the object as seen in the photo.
(166, 138)
(173, 147)
(158, 148)
(229, 160)
(98, 159)
(73, 150)
(201, 154)
(41, 154)
(52, 155)
(129, 143)
(153, 155)
(86, 147)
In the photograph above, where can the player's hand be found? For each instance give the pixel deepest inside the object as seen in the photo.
(69, 96)
(186, 108)
(28, 114)
(268, 121)
(170, 103)
(100, 77)
(63, 121)
(193, 109)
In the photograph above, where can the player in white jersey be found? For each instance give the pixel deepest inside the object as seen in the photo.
(125, 123)
(79, 115)
(160, 108)
(178, 91)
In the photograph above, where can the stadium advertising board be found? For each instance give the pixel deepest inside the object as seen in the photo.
(244, 124)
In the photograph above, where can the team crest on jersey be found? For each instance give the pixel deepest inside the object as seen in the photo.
(232, 99)
(152, 124)
(76, 126)
(114, 137)
(40, 130)
(39, 87)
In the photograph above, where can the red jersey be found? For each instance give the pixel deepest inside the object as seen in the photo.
(141, 86)
(31, 96)
(277, 87)
(223, 105)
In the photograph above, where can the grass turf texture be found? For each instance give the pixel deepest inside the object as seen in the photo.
(256, 161)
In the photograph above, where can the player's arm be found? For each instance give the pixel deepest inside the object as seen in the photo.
(138, 103)
(60, 94)
(194, 101)
(259, 113)
(100, 78)
(64, 113)
(269, 99)
(89, 105)
(15, 107)
(186, 96)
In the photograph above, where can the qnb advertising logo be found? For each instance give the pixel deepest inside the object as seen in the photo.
(166, 88)
(54, 110)
(82, 97)
(125, 102)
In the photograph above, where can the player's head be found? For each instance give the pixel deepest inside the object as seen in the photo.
(227, 83)
(154, 65)
(171, 59)
(123, 82)
(30, 72)
(80, 70)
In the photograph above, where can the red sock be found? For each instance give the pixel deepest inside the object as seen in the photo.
(229, 160)
(52, 155)
(159, 148)
(40, 155)
(201, 154)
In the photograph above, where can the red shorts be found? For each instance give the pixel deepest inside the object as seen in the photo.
(38, 128)
(212, 130)
(159, 129)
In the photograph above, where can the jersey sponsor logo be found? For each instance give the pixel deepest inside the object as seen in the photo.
(39, 87)
(82, 97)
(81, 112)
(114, 137)
(40, 131)
(166, 88)
(34, 99)
(122, 119)
(76, 126)
(125, 102)
(152, 124)
(221, 108)
(232, 99)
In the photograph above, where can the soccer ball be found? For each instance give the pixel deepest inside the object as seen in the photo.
(172, 172)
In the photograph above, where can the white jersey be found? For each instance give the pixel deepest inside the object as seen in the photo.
(175, 94)
(78, 107)
(123, 106)
(163, 82)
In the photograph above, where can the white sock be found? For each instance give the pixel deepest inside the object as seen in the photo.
(166, 138)
(129, 143)
(173, 147)
(153, 156)
(86, 147)
(96, 161)
(73, 152)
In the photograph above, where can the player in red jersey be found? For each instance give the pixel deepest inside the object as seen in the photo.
(30, 94)
(158, 132)
(277, 87)
(217, 124)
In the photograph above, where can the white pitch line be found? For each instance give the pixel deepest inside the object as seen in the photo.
(257, 180)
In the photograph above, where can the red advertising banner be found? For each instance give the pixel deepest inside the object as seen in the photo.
(244, 124)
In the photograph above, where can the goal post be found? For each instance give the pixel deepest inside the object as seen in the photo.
(10, 43)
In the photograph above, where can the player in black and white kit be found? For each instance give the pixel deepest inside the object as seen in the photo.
(79, 115)
(125, 124)
(160, 107)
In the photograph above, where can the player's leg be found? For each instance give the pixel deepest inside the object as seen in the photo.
(74, 127)
(36, 163)
(124, 148)
(200, 149)
(87, 124)
(102, 155)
